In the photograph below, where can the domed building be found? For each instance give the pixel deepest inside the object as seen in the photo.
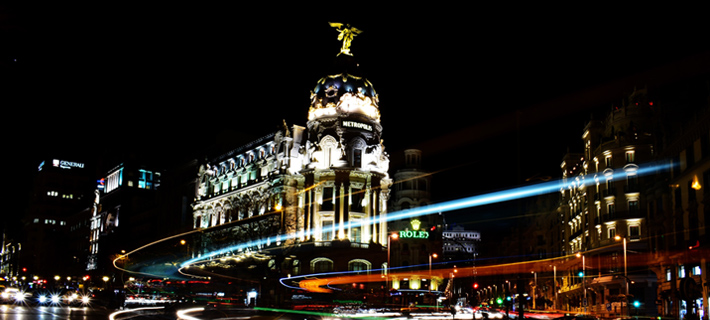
(301, 200)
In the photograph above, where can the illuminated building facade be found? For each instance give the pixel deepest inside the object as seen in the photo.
(604, 208)
(641, 240)
(460, 244)
(124, 215)
(319, 191)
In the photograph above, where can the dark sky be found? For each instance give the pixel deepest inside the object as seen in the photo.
(451, 79)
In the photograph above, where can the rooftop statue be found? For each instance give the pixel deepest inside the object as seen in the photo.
(347, 33)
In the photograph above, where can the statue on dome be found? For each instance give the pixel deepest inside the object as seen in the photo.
(347, 33)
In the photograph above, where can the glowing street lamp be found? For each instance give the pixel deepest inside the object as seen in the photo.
(626, 276)
(584, 280)
(431, 281)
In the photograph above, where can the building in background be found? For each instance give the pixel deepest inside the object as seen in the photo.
(61, 188)
(633, 213)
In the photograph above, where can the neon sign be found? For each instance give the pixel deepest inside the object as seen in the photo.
(416, 233)
(66, 164)
(408, 234)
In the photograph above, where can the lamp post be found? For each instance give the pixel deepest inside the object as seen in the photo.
(554, 284)
(584, 281)
(533, 288)
(387, 270)
(431, 282)
(626, 275)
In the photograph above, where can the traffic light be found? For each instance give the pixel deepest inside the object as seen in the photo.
(581, 274)
(475, 285)
(637, 304)
(499, 301)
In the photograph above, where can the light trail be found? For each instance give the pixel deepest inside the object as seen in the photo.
(470, 202)
(316, 282)
(112, 316)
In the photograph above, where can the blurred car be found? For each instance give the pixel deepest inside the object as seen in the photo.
(14, 295)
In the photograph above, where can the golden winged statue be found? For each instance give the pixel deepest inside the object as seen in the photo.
(347, 33)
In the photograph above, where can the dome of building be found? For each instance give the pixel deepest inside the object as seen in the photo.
(343, 93)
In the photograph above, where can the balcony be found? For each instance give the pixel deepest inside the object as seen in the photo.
(608, 193)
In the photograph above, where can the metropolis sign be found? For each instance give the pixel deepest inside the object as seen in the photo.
(357, 125)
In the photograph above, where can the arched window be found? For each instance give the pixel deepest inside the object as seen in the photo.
(359, 265)
(321, 265)
(330, 151)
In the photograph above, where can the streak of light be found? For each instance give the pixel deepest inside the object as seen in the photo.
(182, 314)
(316, 282)
(112, 316)
(474, 201)
(324, 315)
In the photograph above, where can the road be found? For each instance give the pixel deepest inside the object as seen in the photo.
(21, 312)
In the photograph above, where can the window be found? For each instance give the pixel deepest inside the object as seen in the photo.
(328, 198)
(359, 265)
(356, 234)
(630, 156)
(612, 233)
(668, 274)
(607, 160)
(633, 207)
(681, 272)
(696, 271)
(320, 265)
(610, 210)
(327, 230)
(635, 232)
(357, 158)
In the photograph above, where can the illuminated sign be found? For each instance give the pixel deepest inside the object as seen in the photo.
(416, 233)
(357, 125)
(67, 164)
(413, 234)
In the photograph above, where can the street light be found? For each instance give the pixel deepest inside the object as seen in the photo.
(626, 276)
(387, 270)
(533, 289)
(584, 280)
(431, 281)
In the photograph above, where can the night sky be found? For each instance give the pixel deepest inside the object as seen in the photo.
(451, 79)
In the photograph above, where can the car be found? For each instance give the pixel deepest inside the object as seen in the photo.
(14, 295)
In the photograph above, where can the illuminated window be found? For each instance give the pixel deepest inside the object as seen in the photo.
(681, 272)
(612, 233)
(630, 156)
(696, 271)
(607, 160)
(327, 230)
(668, 274)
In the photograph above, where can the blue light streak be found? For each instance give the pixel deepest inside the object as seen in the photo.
(474, 201)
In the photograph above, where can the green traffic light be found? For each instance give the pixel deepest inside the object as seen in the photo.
(499, 301)
(637, 304)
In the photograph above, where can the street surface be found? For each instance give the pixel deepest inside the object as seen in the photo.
(22, 312)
